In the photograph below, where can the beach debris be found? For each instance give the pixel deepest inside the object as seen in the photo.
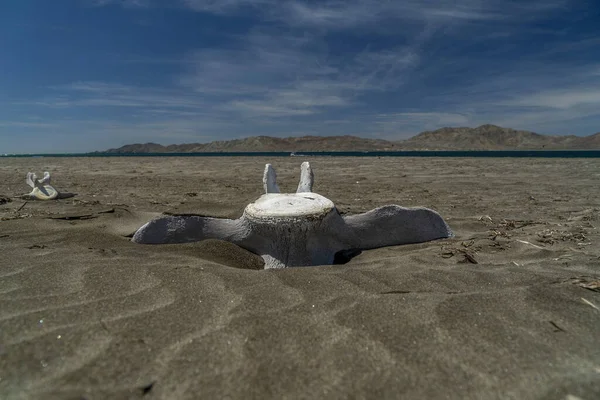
(556, 327)
(147, 388)
(155, 202)
(467, 251)
(486, 219)
(594, 286)
(587, 282)
(530, 244)
(20, 208)
(300, 229)
(494, 234)
(4, 199)
(69, 217)
(469, 258)
(85, 202)
(511, 224)
(15, 216)
(500, 239)
(590, 214)
(551, 236)
(589, 303)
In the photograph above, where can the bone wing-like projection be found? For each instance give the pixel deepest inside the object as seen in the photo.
(306, 178)
(191, 228)
(394, 225)
(31, 179)
(270, 180)
(46, 179)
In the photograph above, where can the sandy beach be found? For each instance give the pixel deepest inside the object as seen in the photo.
(507, 309)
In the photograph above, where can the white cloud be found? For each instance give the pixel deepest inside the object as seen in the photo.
(338, 14)
(427, 118)
(124, 3)
(226, 6)
(405, 124)
(27, 124)
(102, 94)
(96, 87)
(264, 109)
(344, 14)
(561, 99)
(276, 75)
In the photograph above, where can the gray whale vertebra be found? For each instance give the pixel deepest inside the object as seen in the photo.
(302, 228)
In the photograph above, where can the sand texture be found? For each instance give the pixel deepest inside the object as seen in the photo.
(508, 309)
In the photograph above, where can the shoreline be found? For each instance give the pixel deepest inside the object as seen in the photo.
(529, 153)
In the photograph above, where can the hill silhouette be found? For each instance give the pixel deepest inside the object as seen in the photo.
(484, 137)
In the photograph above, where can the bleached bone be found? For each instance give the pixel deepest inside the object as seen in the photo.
(46, 179)
(31, 179)
(300, 229)
(42, 190)
(306, 178)
(270, 180)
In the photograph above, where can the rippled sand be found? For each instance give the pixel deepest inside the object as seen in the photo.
(86, 314)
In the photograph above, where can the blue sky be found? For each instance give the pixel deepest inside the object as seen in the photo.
(84, 75)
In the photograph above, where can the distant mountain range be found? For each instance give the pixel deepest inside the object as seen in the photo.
(484, 137)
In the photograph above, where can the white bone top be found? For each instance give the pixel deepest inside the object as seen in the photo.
(280, 205)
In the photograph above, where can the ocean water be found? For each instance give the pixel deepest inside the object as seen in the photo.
(498, 153)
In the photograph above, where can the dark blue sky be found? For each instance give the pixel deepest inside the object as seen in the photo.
(82, 75)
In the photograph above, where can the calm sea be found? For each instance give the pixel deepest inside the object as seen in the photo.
(502, 153)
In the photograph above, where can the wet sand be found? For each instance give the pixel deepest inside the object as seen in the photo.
(507, 309)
